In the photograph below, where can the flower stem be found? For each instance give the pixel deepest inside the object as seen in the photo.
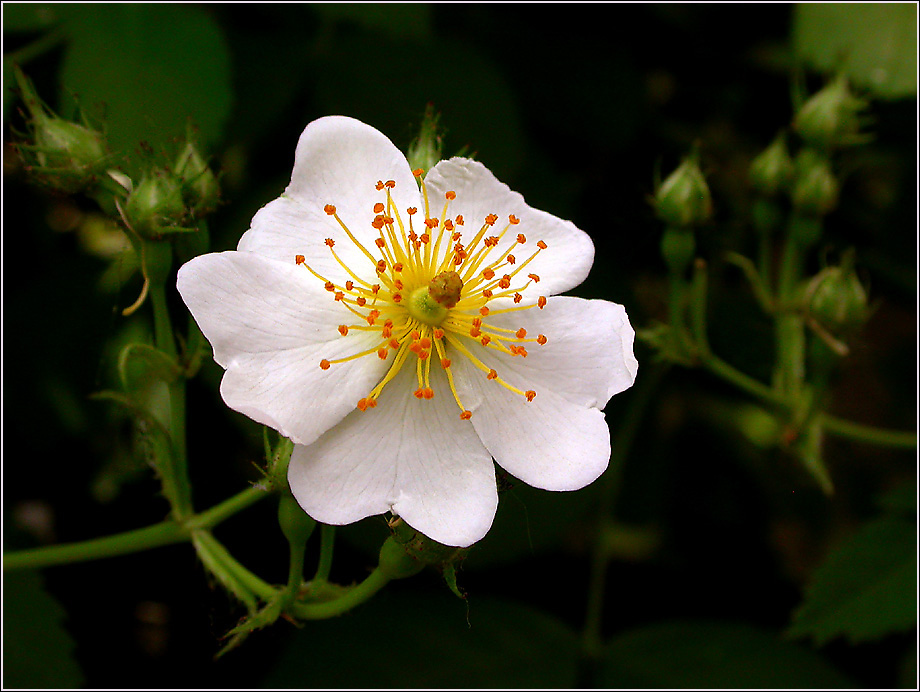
(866, 433)
(326, 544)
(137, 540)
(355, 596)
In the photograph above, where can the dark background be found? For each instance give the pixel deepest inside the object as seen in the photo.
(577, 107)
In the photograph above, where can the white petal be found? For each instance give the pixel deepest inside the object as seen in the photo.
(270, 324)
(410, 456)
(588, 356)
(338, 161)
(569, 254)
(549, 443)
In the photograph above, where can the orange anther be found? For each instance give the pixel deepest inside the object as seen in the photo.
(349, 285)
(382, 354)
(458, 258)
(530, 394)
(445, 363)
(450, 194)
(330, 242)
(491, 219)
(455, 237)
(418, 172)
(425, 342)
(416, 335)
(534, 278)
(379, 185)
(483, 311)
(390, 184)
(378, 207)
(381, 266)
(371, 402)
(504, 282)
(330, 286)
(343, 329)
(521, 239)
(521, 333)
(514, 221)
(428, 393)
(418, 393)
(449, 225)
(378, 222)
(459, 220)
(518, 297)
(339, 295)
(388, 220)
(492, 375)
(485, 340)
(375, 289)
(486, 293)
(438, 333)
(386, 332)
(388, 323)
(394, 343)
(466, 415)
(398, 267)
(397, 284)
(397, 297)
(324, 364)
(541, 339)
(380, 242)
(299, 259)
(411, 211)
(432, 223)
(423, 354)
(487, 274)
(361, 300)
(329, 209)
(424, 238)
(474, 332)
(541, 245)
(541, 302)
(477, 322)
(522, 352)
(372, 317)
(510, 259)
(362, 404)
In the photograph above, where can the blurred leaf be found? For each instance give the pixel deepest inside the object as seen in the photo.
(21, 16)
(866, 588)
(712, 655)
(901, 498)
(150, 68)
(394, 19)
(37, 650)
(874, 44)
(412, 640)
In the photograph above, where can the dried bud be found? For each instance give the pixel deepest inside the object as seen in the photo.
(683, 199)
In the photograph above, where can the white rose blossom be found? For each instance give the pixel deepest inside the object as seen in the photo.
(403, 332)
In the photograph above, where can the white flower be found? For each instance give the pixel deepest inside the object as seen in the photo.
(398, 330)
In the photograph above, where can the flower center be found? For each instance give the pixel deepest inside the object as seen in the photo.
(432, 293)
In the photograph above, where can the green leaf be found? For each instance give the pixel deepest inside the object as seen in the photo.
(37, 650)
(409, 639)
(149, 68)
(712, 655)
(874, 44)
(866, 588)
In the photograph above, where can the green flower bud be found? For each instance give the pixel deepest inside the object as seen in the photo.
(155, 206)
(423, 549)
(425, 151)
(836, 299)
(396, 563)
(200, 188)
(815, 189)
(58, 153)
(772, 170)
(683, 199)
(295, 524)
(830, 118)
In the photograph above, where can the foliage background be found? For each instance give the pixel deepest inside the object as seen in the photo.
(577, 107)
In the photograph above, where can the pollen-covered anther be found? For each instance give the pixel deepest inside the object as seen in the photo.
(324, 364)
(424, 238)
(419, 393)
(379, 185)
(474, 332)
(339, 295)
(504, 282)
(380, 242)
(377, 223)
(541, 339)
(423, 354)
(397, 284)
(485, 340)
(432, 223)
(534, 278)
(459, 220)
(510, 259)
(491, 219)
(448, 225)
(483, 311)
(514, 221)
(397, 297)
(521, 239)
(530, 394)
(394, 343)
(418, 172)
(369, 402)
(299, 259)
(361, 300)
(541, 245)
(450, 194)
(330, 242)
(438, 333)
(329, 209)
(382, 354)
(466, 415)
(541, 302)
(487, 274)
(521, 333)
(486, 293)
(518, 297)
(381, 266)
(445, 363)
(375, 289)
(398, 267)
(349, 285)
(372, 317)
(491, 375)
(329, 286)
(411, 211)
(343, 329)
(428, 393)
(390, 184)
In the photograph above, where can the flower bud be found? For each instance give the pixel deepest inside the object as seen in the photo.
(59, 154)
(200, 188)
(425, 151)
(155, 206)
(829, 119)
(683, 199)
(395, 562)
(772, 170)
(295, 524)
(837, 300)
(815, 189)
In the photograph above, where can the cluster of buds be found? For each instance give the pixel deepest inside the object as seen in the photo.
(57, 153)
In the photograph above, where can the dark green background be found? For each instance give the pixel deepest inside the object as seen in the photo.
(577, 107)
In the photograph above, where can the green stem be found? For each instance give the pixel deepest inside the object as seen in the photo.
(326, 543)
(789, 373)
(164, 533)
(720, 368)
(355, 596)
(866, 433)
(166, 342)
(137, 540)
(235, 569)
